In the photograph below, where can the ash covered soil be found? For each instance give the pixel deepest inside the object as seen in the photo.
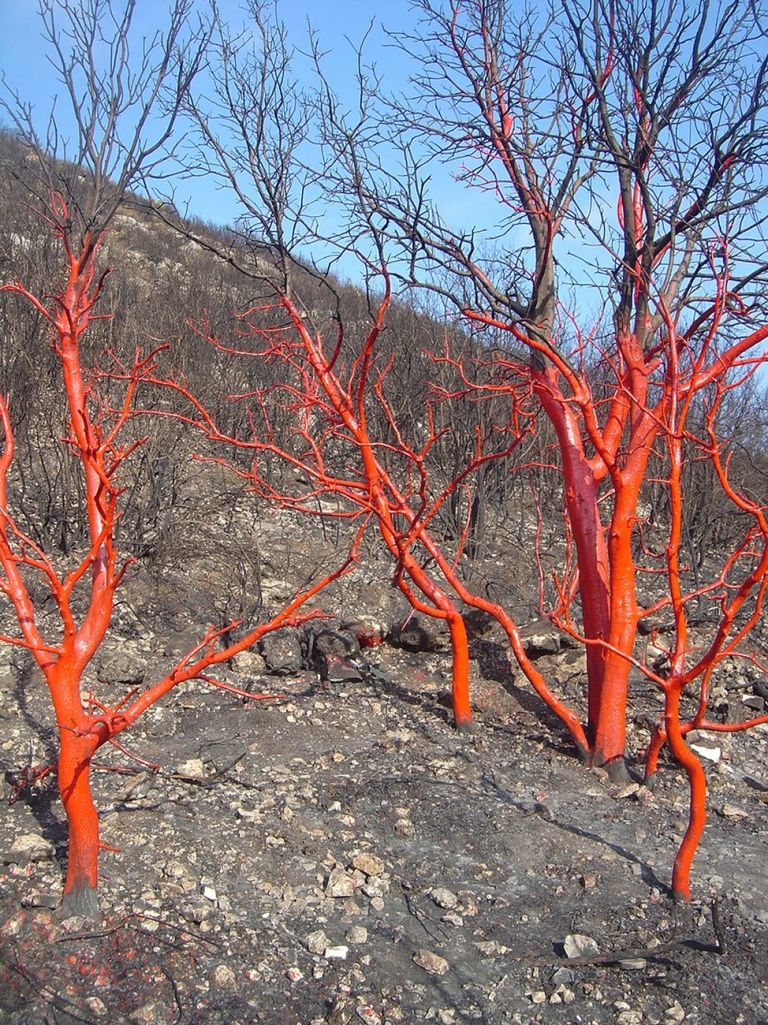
(340, 854)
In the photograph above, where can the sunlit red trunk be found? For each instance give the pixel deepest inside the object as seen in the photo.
(607, 673)
(78, 741)
(83, 825)
(697, 781)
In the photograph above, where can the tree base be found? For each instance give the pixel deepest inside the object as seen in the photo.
(617, 770)
(81, 901)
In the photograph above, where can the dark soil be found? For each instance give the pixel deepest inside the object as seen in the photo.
(464, 862)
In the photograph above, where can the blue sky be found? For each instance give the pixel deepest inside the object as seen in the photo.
(23, 56)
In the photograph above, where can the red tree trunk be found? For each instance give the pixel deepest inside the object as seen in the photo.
(74, 769)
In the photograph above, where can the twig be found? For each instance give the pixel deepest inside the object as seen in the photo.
(633, 953)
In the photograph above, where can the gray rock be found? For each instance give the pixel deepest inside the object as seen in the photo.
(431, 962)
(444, 898)
(123, 664)
(418, 634)
(29, 847)
(282, 652)
(540, 638)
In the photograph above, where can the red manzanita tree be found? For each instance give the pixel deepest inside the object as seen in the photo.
(124, 114)
(339, 390)
(592, 108)
(83, 721)
(375, 475)
(700, 376)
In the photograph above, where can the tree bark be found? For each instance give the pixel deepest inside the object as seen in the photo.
(74, 769)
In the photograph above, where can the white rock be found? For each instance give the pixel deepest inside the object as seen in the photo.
(340, 883)
(338, 953)
(733, 811)
(31, 847)
(317, 942)
(578, 945)
(223, 977)
(709, 754)
(193, 768)
(490, 948)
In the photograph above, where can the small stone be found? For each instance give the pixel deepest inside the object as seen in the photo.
(74, 923)
(633, 964)
(376, 886)
(579, 945)
(540, 638)
(338, 953)
(341, 1010)
(430, 962)
(675, 1013)
(627, 791)
(317, 942)
(368, 1015)
(629, 1018)
(249, 663)
(294, 974)
(733, 811)
(209, 893)
(151, 1013)
(404, 828)
(538, 997)
(754, 701)
(222, 977)
(282, 652)
(29, 847)
(340, 883)
(444, 898)
(709, 754)
(377, 903)
(490, 948)
(357, 934)
(193, 768)
(370, 864)
(96, 1006)
(588, 881)
(416, 634)
(563, 976)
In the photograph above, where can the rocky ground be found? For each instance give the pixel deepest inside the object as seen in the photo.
(342, 855)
